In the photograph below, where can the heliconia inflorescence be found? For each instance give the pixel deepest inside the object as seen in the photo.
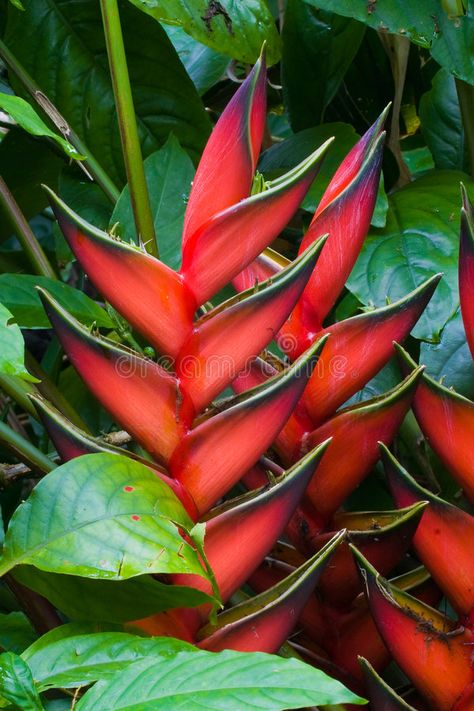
(285, 434)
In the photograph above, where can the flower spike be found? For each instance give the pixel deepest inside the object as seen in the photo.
(466, 268)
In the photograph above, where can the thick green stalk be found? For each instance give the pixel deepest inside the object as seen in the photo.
(131, 149)
(18, 389)
(38, 259)
(90, 166)
(466, 103)
(24, 450)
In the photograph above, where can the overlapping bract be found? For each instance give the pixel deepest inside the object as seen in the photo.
(285, 409)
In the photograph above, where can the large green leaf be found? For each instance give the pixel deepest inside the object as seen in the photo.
(101, 516)
(204, 65)
(428, 23)
(237, 29)
(12, 353)
(26, 117)
(450, 360)
(108, 600)
(16, 683)
(18, 293)
(421, 238)
(441, 122)
(285, 155)
(230, 680)
(318, 48)
(70, 65)
(16, 632)
(169, 173)
(80, 659)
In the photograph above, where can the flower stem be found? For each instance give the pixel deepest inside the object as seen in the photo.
(90, 166)
(131, 149)
(39, 260)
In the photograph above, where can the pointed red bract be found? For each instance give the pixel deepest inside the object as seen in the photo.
(259, 519)
(358, 348)
(71, 442)
(432, 651)
(231, 239)
(267, 265)
(225, 172)
(346, 235)
(213, 456)
(443, 540)
(354, 449)
(263, 623)
(466, 269)
(447, 421)
(224, 341)
(140, 394)
(150, 295)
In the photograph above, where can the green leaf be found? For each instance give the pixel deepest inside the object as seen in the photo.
(203, 64)
(169, 173)
(421, 238)
(18, 293)
(287, 154)
(16, 683)
(230, 680)
(70, 65)
(450, 360)
(237, 29)
(26, 117)
(426, 22)
(12, 354)
(318, 48)
(81, 659)
(108, 600)
(26, 163)
(441, 122)
(385, 380)
(101, 516)
(16, 632)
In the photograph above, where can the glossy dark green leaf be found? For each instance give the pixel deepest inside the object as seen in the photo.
(108, 600)
(79, 660)
(16, 683)
(18, 293)
(385, 380)
(318, 48)
(84, 197)
(230, 680)
(428, 23)
(17, 150)
(72, 387)
(12, 353)
(72, 56)
(285, 155)
(421, 238)
(237, 29)
(16, 632)
(441, 122)
(169, 173)
(450, 360)
(204, 65)
(101, 516)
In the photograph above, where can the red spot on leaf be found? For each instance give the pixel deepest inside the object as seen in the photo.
(128, 488)
(135, 517)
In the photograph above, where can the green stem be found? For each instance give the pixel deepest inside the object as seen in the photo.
(39, 260)
(24, 450)
(131, 149)
(466, 103)
(90, 165)
(18, 389)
